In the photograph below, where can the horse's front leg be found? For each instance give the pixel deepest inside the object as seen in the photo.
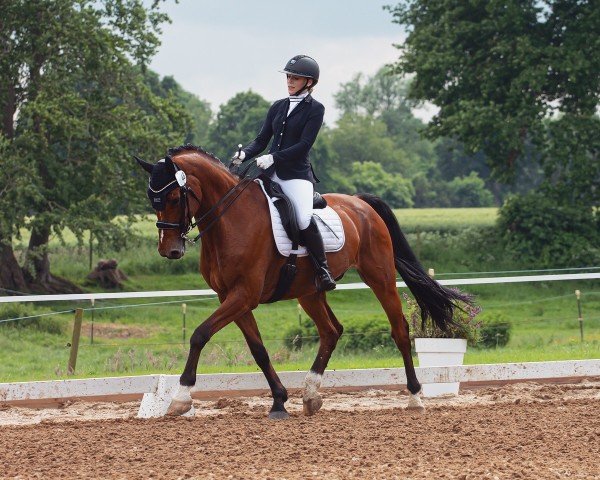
(330, 329)
(230, 310)
(251, 333)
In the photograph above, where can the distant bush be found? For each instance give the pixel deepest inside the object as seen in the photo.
(460, 192)
(542, 233)
(41, 324)
(359, 337)
(372, 178)
(366, 336)
(495, 331)
(469, 191)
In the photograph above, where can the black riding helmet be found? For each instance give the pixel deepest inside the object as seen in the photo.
(303, 66)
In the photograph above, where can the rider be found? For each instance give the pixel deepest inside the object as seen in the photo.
(294, 122)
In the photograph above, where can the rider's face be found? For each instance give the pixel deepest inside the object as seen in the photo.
(295, 83)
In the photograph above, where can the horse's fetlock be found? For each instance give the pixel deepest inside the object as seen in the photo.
(280, 394)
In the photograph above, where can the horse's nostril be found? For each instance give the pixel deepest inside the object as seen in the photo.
(175, 254)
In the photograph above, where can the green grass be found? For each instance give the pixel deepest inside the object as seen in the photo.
(544, 316)
(413, 220)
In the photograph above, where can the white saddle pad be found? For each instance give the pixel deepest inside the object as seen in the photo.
(329, 222)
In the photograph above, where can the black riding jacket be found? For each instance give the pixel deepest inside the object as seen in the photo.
(293, 137)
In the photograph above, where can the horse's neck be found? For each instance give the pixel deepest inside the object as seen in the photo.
(214, 181)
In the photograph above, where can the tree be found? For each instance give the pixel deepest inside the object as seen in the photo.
(75, 107)
(372, 178)
(382, 98)
(383, 92)
(361, 138)
(198, 109)
(238, 121)
(503, 72)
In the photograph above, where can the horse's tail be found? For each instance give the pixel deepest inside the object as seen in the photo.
(435, 301)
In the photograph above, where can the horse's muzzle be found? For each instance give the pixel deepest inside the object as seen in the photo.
(172, 248)
(174, 254)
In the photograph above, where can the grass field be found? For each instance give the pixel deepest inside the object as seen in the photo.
(414, 220)
(148, 339)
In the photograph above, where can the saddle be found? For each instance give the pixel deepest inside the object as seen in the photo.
(288, 219)
(286, 208)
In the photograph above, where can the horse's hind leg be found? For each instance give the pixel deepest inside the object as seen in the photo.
(251, 333)
(330, 330)
(383, 283)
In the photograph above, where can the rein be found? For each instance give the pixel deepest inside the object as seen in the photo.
(186, 216)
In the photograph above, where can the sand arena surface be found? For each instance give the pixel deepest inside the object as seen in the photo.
(524, 430)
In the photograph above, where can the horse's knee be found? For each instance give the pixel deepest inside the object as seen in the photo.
(199, 338)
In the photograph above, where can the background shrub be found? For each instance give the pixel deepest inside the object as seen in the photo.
(495, 330)
(50, 325)
(542, 233)
(360, 337)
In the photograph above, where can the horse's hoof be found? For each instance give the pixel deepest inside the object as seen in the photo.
(279, 415)
(179, 407)
(312, 405)
(415, 403)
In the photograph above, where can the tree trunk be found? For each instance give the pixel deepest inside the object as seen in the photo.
(11, 275)
(37, 265)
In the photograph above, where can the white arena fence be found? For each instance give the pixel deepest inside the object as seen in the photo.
(157, 390)
(341, 286)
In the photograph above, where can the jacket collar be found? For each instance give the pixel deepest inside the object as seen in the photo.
(306, 100)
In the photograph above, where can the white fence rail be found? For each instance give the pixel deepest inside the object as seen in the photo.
(341, 286)
(158, 390)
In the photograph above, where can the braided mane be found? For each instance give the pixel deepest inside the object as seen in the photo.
(188, 147)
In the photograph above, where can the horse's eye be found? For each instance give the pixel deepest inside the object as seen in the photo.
(174, 202)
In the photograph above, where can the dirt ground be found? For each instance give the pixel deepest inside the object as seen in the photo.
(524, 430)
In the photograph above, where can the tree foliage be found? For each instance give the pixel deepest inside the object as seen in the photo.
(75, 107)
(198, 110)
(539, 232)
(238, 121)
(503, 72)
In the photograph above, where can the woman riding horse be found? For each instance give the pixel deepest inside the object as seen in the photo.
(239, 257)
(294, 122)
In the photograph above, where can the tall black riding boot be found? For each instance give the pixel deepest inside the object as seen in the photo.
(312, 240)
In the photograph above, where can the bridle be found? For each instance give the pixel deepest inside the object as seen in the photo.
(186, 220)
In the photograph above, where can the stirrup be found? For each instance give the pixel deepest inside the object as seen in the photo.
(324, 280)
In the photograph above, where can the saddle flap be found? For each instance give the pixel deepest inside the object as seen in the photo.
(329, 223)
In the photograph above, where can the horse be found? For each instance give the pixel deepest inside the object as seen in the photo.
(240, 262)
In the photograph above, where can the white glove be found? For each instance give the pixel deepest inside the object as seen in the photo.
(264, 161)
(238, 157)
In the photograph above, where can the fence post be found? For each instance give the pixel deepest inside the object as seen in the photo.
(92, 326)
(299, 314)
(184, 310)
(578, 295)
(91, 249)
(431, 272)
(75, 341)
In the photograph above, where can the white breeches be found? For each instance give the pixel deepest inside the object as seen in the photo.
(300, 193)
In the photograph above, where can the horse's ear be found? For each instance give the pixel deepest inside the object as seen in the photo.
(145, 165)
(171, 168)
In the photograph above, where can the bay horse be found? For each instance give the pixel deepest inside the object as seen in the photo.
(240, 262)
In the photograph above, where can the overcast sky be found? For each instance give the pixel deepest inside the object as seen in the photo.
(217, 48)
